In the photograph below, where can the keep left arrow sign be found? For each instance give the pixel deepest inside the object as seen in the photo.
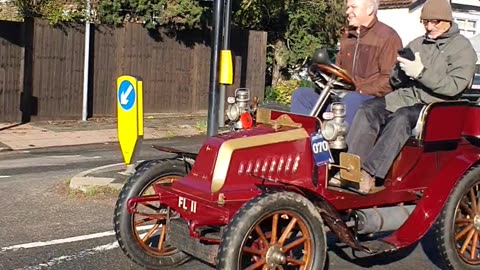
(124, 95)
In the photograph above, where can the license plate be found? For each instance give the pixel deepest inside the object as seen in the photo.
(320, 149)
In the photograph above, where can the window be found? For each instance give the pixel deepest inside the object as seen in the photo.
(467, 27)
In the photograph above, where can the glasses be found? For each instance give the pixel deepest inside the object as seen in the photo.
(434, 22)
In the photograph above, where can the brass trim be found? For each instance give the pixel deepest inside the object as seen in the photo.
(426, 112)
(226, 150)
(263, 115)
(350, 167)
(285, 120)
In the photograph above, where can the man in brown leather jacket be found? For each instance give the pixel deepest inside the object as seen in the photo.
(368, 52)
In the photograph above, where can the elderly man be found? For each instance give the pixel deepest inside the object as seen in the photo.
(367, 52)
(443, 66)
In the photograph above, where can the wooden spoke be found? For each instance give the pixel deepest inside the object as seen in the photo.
(151, 232)
(273, 239)
(467, 209)
(253, 251)
(150, 206)
(294, 244)
(149, 217)
(162, 238)
(142, 221)
(287, 231)
(467, 241)
(261, 235)
(473, 251)
(256, 265)
(460, 221)
(463, 232)
(474, 201)
(294, 261)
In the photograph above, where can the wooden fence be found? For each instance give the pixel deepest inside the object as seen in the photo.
(41, 69)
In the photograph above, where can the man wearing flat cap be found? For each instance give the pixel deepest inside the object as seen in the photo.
(441, 68)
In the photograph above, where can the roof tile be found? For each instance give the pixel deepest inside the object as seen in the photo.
(386, 4)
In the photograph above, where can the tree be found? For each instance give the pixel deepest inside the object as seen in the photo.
(295, 29)
(176, 14)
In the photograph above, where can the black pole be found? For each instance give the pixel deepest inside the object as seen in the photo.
(226, 24)
(225, 46)
(213, 94)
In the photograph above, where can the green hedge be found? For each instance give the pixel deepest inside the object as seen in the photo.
(282, 92)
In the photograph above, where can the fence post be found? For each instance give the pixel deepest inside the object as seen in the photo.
(26, 97)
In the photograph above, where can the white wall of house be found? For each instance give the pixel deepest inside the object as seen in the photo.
(475, 3)
(468, 22)
(406, 22)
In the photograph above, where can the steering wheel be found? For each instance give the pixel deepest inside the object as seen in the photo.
(321, 74)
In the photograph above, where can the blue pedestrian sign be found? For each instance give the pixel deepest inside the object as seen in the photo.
(126, 95)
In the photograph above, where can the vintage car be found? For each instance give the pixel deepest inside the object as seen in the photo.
(259, 198)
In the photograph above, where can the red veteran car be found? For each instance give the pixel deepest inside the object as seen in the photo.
(259, 198)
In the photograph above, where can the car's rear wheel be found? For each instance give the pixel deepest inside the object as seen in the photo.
(142, 236)
(457, 229)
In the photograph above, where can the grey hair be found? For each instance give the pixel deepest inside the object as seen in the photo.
(374, 4)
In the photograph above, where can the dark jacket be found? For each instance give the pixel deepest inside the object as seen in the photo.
(369, 57)
(449, 64)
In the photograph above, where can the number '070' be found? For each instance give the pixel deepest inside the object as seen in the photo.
(320, 147)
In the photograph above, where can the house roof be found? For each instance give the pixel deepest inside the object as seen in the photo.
(387, 4)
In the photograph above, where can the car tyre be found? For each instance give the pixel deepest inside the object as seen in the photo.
(457, 229)
(272, 230)
(139, 184)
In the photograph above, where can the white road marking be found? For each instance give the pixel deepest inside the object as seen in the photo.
(5, 176)
(66, 258)
(58, 241)
(79, 255)
(44, 161)
(65, 240)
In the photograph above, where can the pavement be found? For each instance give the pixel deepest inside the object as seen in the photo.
(43, 134)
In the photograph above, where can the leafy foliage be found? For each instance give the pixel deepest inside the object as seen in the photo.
(55, 11)
(296, 28)
(282, 92)
(177, 14)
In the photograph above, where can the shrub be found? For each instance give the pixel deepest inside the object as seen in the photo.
(282, 92)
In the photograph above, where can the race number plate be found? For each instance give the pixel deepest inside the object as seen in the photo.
(320, 149)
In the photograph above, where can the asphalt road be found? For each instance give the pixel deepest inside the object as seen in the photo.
(45, 227)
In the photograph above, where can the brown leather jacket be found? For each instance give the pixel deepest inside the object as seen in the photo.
(370, 56)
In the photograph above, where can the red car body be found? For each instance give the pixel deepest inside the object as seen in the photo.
(233, 168)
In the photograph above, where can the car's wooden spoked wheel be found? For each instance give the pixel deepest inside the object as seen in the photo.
(467, 226)
(281, 241)
(149, 222)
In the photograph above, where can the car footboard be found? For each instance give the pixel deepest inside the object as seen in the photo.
(179, 237)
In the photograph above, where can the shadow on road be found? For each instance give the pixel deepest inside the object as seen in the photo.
(363, 259)
(11, 126)
(431, 251)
